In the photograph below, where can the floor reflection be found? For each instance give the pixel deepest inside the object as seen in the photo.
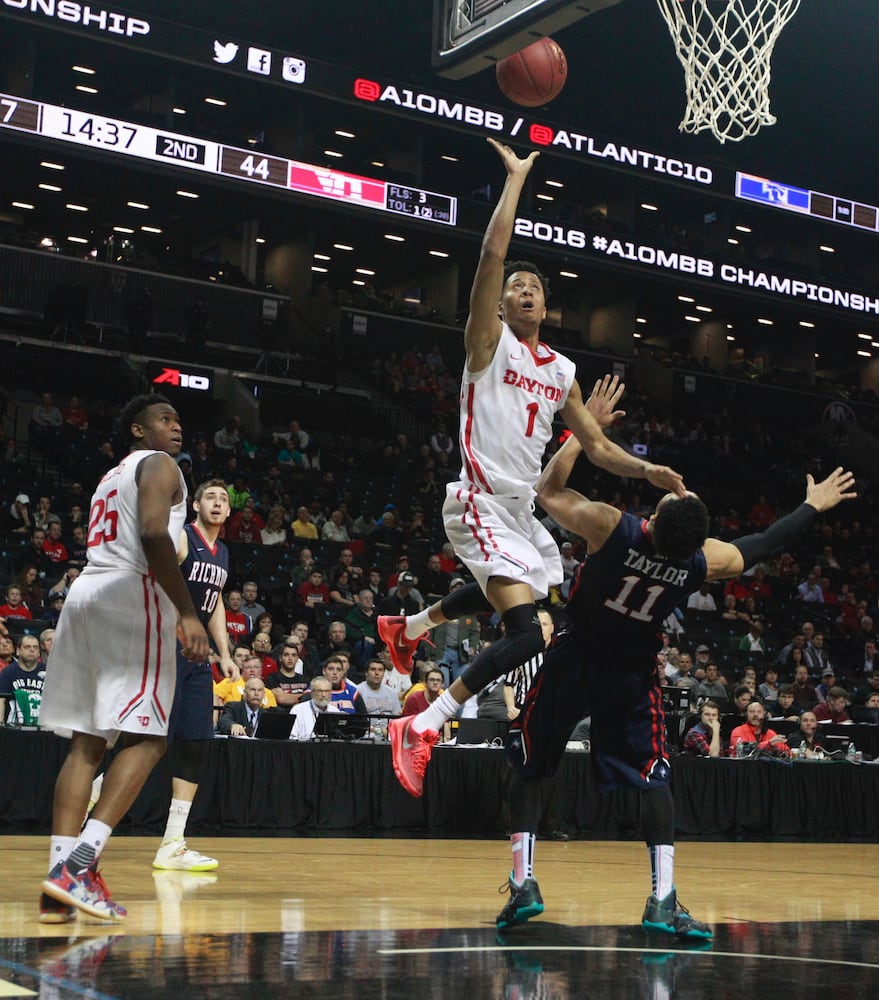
(542, 961)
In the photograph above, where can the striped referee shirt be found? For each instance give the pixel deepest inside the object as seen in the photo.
(521, 678)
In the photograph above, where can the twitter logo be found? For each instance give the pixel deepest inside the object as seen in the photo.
(225, 53)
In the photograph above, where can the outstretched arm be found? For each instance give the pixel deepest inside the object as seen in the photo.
(483, 324)
(604, 453)
(729, 559)
(570, 509)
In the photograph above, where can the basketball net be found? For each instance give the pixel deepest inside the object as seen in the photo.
(725, 47)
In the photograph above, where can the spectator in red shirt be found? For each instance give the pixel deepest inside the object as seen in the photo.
(74, 416)
(849, 612)
(738, 587)
(262, 647)
(827, 590)
(240, 654)
(53, 547)
(761, 515)
(237, 622)
(243, 528)
(314, 591)
(249, 504)
(15, 606)
(433, 688)
(758, 586)
(755, 731)
(833, 710)
(449, 562)
(402, 567)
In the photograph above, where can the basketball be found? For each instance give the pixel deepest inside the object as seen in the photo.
(534, 75)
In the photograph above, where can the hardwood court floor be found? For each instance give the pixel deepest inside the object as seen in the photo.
(371, 918)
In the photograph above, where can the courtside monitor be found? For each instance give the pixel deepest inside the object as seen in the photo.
(341, 726)
(471, 35)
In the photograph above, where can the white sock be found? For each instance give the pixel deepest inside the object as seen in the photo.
(95, 834)
(92, 841)
(178, 814)
(522, 845)
(436, 714)
(60, 849)
(662, 868)
(417, 625)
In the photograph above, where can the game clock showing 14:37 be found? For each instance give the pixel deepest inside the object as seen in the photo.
(92, 129)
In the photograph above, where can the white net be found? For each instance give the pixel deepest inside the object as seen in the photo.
(725, 47)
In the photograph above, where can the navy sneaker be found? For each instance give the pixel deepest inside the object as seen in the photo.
(668, 916)
(524, 903)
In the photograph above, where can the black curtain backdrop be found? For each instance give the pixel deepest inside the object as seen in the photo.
(266, 788)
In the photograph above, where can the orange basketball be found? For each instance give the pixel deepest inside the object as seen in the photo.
(534, 75)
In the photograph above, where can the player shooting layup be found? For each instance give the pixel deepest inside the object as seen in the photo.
(511, 389)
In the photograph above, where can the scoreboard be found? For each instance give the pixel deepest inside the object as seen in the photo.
(205, 156)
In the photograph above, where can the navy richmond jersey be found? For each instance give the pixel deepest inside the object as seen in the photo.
(205, 570)
(623, 592)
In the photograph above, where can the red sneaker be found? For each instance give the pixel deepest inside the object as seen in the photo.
(410, 752)
(82, 892)
(392, 629)
(52, 911)
(95, 881)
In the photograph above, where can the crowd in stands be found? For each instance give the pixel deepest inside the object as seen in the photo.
(324, 536)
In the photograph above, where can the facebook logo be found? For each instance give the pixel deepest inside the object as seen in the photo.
(772, 193)
(259, 61)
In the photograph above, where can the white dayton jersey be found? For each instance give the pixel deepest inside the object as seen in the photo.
(114, 526)
(507, 411)
(113, 666)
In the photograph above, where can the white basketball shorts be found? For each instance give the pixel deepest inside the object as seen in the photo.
(113, 663)
(500, 536)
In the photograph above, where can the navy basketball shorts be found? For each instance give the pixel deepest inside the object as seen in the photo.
(621, 693)
(192, 717)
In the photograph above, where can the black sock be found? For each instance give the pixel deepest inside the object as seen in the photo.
(83, 856)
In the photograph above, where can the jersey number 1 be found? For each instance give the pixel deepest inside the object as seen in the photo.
(532, 410)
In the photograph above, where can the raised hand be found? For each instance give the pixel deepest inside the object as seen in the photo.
(838, 486)
(606, 393)
(513, 163)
